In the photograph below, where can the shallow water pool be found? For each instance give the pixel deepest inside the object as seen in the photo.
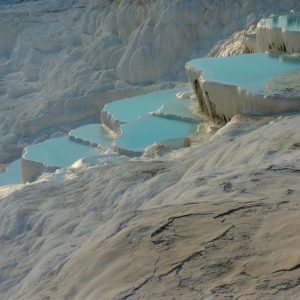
(148, 130)
(12, 174)
(58, 152)
(248, 71)
(130, 109)
(93, 134)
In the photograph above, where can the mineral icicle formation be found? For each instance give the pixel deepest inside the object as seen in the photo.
(279, 33)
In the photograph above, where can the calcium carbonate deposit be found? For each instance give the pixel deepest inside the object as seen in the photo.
(279, 33)
(218, 219)
(242, 84)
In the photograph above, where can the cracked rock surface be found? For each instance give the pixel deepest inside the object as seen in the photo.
(219, 220)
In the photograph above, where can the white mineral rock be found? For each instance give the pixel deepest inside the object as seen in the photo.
(61, 61)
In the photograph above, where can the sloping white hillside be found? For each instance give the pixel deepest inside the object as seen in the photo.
(218, 219)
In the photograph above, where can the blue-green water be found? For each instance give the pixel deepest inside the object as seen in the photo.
(130, 109)
(140, 131)
(59, 152)
(289, 22)
(139, 134)
(249, 71)
(12, 174)
(94, 134)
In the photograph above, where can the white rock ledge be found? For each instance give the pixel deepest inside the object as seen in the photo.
(223, 101)
(31, 170)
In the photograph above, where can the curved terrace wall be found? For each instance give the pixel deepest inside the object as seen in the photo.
(222, 94)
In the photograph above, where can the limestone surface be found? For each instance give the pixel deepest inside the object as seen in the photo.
(245, 84)
(217, 220)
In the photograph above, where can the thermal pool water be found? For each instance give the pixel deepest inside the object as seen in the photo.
(93, 143)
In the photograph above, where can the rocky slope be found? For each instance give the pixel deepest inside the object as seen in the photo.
(219, 220)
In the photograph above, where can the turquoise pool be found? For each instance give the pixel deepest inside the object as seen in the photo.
(130, 109)
(248, 71)
(12, 175)
(93, 134)
(148, 130)
(139, 130)
(58, 152)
